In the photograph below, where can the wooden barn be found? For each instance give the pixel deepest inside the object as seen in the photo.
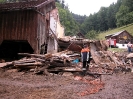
(122, 37)
(24, 26)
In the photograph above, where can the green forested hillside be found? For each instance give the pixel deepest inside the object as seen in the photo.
(117, 15)
(128, 28)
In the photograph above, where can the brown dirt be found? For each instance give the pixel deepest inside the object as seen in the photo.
(22, 85)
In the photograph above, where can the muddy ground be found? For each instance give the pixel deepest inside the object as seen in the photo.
(26, 85)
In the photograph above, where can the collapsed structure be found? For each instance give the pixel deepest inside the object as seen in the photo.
(68, 60)
(34, 27)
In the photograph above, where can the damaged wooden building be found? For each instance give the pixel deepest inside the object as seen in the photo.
(25, 27)
(122, 37)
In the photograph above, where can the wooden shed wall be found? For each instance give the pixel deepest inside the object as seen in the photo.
(42, 28)
(30, 25)
(43, 25)
(19, 25)
(123, 36)
(41, 31)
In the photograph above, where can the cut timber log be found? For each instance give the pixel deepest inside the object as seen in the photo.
(39, 59)
(72, 69)
(62, 55)
(29, 64)
(74, 55)
(24, 61)
(45, 56)
(5, 64)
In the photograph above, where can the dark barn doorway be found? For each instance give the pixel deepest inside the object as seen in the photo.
(9, 49)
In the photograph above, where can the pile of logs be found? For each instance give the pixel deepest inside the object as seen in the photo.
(103, 61)
(57, 62)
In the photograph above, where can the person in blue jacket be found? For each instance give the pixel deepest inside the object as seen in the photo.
(129, 45)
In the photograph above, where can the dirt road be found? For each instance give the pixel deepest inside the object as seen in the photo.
(20, 85)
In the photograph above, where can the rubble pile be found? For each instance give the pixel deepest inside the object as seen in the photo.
(103, 61)
(68, 61)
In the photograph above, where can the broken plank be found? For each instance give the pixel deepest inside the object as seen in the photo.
(5, 64)
(24, 61)
(45, 56)
(93, 50)
(29, 64)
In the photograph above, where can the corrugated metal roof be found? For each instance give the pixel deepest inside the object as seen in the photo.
(32, 4)
(109, 35)
(115, 34)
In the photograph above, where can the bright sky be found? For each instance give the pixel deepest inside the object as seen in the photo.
(87, 7)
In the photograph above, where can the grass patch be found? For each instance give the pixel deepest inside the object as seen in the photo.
(117, 49)
(128, 28)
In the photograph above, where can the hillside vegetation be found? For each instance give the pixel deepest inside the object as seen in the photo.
(117, 15)
(129, 28)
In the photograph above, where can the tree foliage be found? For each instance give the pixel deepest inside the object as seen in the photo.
(116, 15)
(125, 14)
(67, 20)
(103, 20)
(91, 34)
(121, 16)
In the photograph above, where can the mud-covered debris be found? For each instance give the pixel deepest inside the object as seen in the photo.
(69, 60)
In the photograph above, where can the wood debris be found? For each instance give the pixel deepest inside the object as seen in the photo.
(69, 60)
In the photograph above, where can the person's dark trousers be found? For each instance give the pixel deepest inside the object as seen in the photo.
(88, 63)
(84, 64)
(129, 49)
(85, 67)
